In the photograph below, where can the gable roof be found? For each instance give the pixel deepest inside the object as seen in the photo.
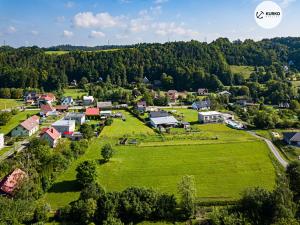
(103, 105)
(159, 114)
(52, 133)
(12, 181)
(47, 108)
(202, 104)
(164, 120)
(30, 123)
(92, 112)
(292, 136)
(61, 107)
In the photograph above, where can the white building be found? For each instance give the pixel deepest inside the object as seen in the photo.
(64, 126)
(168, 121)
(1, 141)
(27, 127)
(210, 117)
(78, 117)
(88, 100)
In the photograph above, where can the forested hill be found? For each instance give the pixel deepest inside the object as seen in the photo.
(181, 65)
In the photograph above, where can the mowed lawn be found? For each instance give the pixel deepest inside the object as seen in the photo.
(74, 92)
(244, 70)
(9, 103)
(189, 115)
(16, 119)
(131, 126)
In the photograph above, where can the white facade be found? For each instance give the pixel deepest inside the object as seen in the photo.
(210, 117)
(64, 126)
(1, 141)
(164, 121)
(21, 131)
(78, 117)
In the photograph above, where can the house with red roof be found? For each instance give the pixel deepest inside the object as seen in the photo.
(47, 110)
(10, 183)
(51, 135)
(27, 127)
(47, 98)
(62, 108)
(92, 113)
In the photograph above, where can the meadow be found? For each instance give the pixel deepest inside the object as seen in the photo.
(222, 169)
(74, 92)
(9, 103)
(244, 70)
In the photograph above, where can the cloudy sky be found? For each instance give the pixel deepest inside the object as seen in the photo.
(99, 22)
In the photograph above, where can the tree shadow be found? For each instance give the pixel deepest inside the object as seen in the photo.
(102, 161)
(65, 186)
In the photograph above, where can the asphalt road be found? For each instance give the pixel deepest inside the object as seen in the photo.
(273, 149)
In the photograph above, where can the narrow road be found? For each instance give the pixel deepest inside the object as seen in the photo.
(273, 149)
(20, 147)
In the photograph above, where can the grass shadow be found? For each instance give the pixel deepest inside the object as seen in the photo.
(65, 186)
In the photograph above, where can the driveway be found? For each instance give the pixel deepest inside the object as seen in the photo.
(273, 149)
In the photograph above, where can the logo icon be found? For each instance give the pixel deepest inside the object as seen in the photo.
(268, 14)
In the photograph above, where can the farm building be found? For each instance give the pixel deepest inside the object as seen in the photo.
(156, 114)
(104, 105)
(92, 113)
(64, 125)
(88, 100)
(292, 138)
(201, 105)
(67, 101)
(210, 117)
(47, 110)
(27, 127)
(1, 141)
(11, 182)
(78, 117)
(51, 135)
(168, 121)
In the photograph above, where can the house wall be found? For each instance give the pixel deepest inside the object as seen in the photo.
(20, 131)
(1, 141)
(65, 128)
(209, 118)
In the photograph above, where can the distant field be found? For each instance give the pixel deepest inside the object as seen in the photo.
(244, 70)
(189, 115)
(56, 52)
(222, 168)
(9, 103)
(15, 120)
(74, 92)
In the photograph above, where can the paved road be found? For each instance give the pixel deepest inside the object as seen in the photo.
(273, 149)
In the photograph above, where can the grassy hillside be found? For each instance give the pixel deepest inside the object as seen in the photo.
(9, 103)
(244, 70)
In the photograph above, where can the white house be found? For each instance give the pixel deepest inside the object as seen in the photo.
(67, 101)
(78, 117)
(88, 100)
(64, 126)
(210, 117)
(51, 135)
(27, 127)
(168, 121)
(1, 141)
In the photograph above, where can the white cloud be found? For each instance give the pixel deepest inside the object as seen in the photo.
(100, 20)
(67, 33)
(69, 4)
(165, 29)
(96, 34)
(286, 3)
(60, 19)
(34, 32)
(139, 25)
(11, 29)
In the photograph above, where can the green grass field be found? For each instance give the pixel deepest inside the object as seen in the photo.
(74, 92)
(56, 52)
(244, 70)
(189, 115)
(222, 168)
(9, 103)
(15, 120)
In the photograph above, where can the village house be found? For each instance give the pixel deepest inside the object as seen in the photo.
(156, 114)
(1, 141)
(10, 183)
(201, 105)
(48, 98)
(88, 100)
(105, 114)
(224, 93)
(292, 138)
(78, 117)
(146, 80)
(27, 128)
(30, 97)
(284, 105)
(104, 105)
(67, 101)
(92, 113)
(141, 106)
(47, 110)
(162, 119)
(73, 83)
(64, 126)
(61, 108)
(51, 135)
(202, 91)
(210, 117)
(172, 95)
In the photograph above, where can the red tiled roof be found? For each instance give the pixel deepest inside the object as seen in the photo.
(61, 107)
(52, 133)
(48, 97)
(12, 181)
(92, 112)
(30, 123)
(43, 130)
(47, 108)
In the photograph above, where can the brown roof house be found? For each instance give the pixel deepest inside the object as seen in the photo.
(10, 183)
(27, 127)
(51, 135)
(48, 110)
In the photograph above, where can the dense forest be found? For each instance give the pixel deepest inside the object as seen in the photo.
(179, 65)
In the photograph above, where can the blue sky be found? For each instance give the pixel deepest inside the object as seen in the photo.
(99, 22)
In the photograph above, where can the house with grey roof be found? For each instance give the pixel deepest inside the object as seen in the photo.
(201, 105)
(292, 138)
